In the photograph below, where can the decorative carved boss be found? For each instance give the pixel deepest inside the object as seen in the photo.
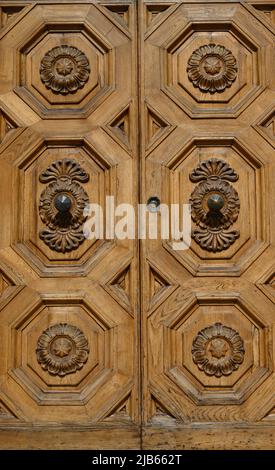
(212, 68)
(62, 205)
(62, 349)
(64, 69)
(218, 350)
(215, 205)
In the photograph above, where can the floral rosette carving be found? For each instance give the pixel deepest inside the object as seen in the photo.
(62, 349)
(215, 205)
(64, 69)
(229, 212)
(212, 68)
(62, 204)
(218, 350)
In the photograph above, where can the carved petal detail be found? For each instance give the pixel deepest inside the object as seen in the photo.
(49, 214)
(64, 69)
(62, 241)
(212, 68)
(218, 350)
(64, 230)
(66, 168)
(62, 349)
(215, 241)
(213, 169)
(211, 232)
(228, 213)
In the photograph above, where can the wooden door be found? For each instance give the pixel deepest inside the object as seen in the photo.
(208, 140)
(136, 99)
(68, 322)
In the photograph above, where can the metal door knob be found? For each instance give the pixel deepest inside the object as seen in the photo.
(153, 204)
(215, 202)
(63, 203)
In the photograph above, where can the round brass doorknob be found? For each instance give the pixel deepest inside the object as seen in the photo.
(63, 203)
(215, 202)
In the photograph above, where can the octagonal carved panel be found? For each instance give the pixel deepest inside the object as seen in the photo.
(64, 64)
(54, 173)
(62, 350)
(212, 341)
(210, 68)
(220, 234)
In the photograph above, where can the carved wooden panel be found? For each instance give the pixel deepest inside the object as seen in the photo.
(209, 339)
(215, 205)
(136, 99)
(68, 133)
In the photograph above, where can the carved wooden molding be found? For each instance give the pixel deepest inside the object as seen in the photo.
(64, 69)
(215, 205)
(62, 349)
(212, 68)
(62, 205)
(218, 350)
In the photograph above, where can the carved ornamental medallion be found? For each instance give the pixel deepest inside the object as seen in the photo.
(218, 350)
(64, 69)
(62, 349)
(62, 205)
(212, 68)
(215, 205)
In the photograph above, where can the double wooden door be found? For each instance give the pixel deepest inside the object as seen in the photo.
(127, 343)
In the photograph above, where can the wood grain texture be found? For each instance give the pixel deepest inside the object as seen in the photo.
(69, 323)
(148, 97)
(197, 437)
(73, 438)
(211, 107)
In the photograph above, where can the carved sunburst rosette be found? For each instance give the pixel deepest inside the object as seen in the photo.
(212, 68)
(200, 210)
(218, 350)
(62, 349)
(62, 204)
(215, 205)
(64, 69)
